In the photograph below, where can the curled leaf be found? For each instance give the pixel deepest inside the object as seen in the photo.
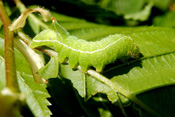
(20, 22)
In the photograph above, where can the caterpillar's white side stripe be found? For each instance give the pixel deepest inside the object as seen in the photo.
(98, 50)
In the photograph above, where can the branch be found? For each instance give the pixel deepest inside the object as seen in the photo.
(11, 78)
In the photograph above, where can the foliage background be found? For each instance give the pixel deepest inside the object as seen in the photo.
(149, 79)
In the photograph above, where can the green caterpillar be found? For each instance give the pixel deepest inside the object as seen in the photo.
(86, 54)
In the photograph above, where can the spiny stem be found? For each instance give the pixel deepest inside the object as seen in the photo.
(11, 78)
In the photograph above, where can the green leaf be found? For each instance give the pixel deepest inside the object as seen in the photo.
(104, 113)
(51, 69)
(36, 94)
(161, 4)
(156, 46)
(76, 77)
(1, 45)
(94, 86)
(147, 74)
(2, 72)
(154, 41)
(68, 100)
(19, 59)
(119, 6)
(148, 81)
(34, 25)
(154, 70)
(91, 87)
(167, 20)
(142, 15)
(9, 101)
(132, 9)
(88, 86)
(160, 99)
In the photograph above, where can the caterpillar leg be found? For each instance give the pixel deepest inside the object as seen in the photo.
(98, 58)
(85, 57)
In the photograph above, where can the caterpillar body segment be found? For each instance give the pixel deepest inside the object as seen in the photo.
(86, 54)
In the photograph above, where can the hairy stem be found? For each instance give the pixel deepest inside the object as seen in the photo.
(11, 78)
